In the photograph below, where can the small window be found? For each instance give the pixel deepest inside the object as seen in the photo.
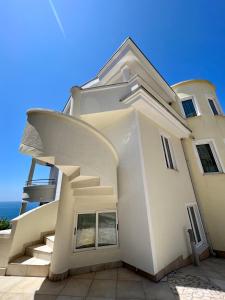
(167, 149)
(208, 158)
(194, 224)
(107, 229)
(96, 230)
(213, 107)
(86, 231)
(189, 108)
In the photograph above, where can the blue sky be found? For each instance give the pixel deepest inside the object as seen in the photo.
(48, 46)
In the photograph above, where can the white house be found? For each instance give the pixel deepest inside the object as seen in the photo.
(134, 163)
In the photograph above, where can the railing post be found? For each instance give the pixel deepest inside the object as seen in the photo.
(32, 168)
(23, 207)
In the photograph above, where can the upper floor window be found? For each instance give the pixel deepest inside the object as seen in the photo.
(213, 107)
(168, 152)
(189, 108)
(208, 157)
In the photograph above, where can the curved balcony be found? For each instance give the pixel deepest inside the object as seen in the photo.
(39, 190)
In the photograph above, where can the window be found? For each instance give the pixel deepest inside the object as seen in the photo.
(86, 231)
(167, 149)
(213, 107)
(208, 158)
(107, 229)
(189, 108)
(96, 230)
(194, 223)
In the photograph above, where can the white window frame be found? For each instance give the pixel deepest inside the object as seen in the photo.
(216, 156)
(163, 136)
(199, 223)
(216, 106)
(96, 228)
(195, 103)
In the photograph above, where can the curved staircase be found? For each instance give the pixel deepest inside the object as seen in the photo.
(37, 258)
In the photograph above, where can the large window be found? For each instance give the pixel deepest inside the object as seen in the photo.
(208, 158)
(96, 230)
(213, 107)
(189, 108)
(168, 152)
(195, 223)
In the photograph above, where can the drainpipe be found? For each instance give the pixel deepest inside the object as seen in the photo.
(198, 202)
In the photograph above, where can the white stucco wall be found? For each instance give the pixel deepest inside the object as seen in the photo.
(120, 127)
(169, 191)
(210, 187)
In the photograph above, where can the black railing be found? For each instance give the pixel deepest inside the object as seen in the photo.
(41, 182)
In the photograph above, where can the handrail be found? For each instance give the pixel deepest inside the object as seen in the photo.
(48, 181)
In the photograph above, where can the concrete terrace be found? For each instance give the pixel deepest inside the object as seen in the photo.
(206, 282)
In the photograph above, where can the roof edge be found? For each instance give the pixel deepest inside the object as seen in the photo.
(124, 44)
(193, 81)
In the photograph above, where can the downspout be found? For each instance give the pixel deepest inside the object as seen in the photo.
(198, 202)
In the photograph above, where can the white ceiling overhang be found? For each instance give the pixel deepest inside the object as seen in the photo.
(147, 104)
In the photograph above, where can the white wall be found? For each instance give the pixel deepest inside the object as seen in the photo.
(29, 226)
(120, 128)
(169, 192)
(210, 187)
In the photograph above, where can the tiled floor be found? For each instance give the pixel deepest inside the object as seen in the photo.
(206, 282)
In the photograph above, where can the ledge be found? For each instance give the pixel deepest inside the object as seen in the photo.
(5, 234)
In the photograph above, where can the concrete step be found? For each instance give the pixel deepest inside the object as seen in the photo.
(28, 266)
(49, 241)
(93, 191)
(75, 173)
(69, 170)
(85, 181)
(40, 251)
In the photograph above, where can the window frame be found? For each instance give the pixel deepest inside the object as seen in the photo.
(164, 136)
(216, 156)
(199, 223)
(195, 103)
(216, 106)
(96, 247)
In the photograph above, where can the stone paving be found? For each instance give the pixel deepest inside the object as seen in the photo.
(206, 282)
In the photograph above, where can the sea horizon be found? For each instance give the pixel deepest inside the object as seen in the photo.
(10, 209)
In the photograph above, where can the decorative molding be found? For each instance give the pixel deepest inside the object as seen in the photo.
(146, 103)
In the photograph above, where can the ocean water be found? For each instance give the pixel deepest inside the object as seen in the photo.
(11, 209)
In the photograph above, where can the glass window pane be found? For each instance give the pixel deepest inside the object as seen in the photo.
(195, 224)
(107, 231)
(86, 231)
(213, 107)
(188, 209)
(169, 154)
(207, 159)
(164, 150)
(189, 108)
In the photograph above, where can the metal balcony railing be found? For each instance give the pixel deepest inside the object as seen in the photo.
(41, 182)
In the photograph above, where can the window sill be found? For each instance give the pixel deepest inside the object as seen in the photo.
(172, 169)
(193, 117)
(213, 173)
(94, 249)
